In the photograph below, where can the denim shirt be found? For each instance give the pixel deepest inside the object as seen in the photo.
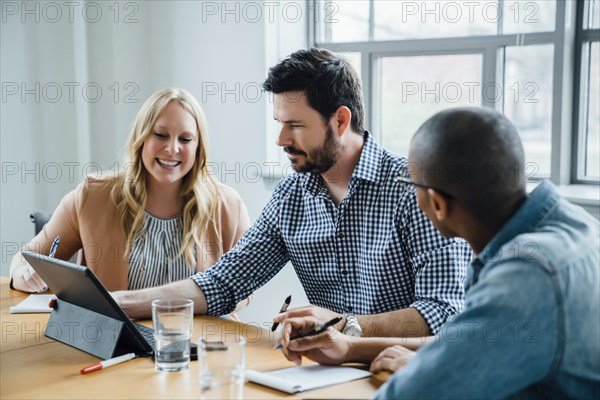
(531, 323)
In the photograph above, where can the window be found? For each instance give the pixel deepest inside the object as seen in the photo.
(417, 58)
(587, 110)
(528, 101)
(414, 87)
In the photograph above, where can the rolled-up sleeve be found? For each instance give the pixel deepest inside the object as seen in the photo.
(439, 265)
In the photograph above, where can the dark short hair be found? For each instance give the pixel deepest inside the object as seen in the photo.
(473, 153)
(327, 80)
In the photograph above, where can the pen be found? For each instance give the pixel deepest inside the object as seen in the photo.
(284, 307)
(54, 246)
(312, 332)
(107, 363)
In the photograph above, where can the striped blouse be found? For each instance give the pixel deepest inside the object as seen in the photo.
(154, 258)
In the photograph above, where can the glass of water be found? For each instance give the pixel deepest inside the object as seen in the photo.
(172, 321)
(222, 368)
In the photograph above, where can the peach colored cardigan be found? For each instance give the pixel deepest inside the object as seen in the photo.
(87, 219)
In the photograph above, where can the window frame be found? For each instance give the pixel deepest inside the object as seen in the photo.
(562, 158)
(580, 82)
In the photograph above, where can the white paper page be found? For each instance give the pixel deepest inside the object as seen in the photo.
(34, 303)
(299, 379)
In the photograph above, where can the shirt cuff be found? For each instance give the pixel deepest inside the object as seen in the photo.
(216, 302)
(434, 314)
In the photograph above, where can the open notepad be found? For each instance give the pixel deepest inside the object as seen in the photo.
(299, 379)
(34, 303)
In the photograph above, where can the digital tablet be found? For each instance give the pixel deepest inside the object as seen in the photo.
(79, 286)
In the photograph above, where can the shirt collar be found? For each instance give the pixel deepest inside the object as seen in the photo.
(543, 199)
(369, 164)
(368, 167)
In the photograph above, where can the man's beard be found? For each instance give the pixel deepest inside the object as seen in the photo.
(319, 160)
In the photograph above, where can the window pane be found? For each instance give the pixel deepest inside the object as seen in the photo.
(527, 98)
(343, 21)
(431, 19)
(520, 16)
(592, 15)
(414, 88)
(592, 125)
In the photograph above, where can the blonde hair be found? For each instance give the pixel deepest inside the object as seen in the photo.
(199, 190)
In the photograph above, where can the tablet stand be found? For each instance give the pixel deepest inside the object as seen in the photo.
(84, 329)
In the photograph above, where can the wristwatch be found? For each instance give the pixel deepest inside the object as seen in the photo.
(352, 327)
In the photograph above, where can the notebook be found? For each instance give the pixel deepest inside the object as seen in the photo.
(81, 290)
(34, 303)
(307, 377)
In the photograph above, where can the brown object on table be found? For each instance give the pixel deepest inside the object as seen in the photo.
(379, 378)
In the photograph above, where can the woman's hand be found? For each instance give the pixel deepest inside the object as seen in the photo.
(25, 278)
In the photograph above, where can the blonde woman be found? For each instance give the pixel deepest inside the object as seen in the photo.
(162, 219)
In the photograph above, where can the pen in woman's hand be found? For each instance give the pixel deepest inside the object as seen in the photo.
(54, 246)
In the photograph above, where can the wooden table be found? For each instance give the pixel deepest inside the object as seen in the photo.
(33, 366)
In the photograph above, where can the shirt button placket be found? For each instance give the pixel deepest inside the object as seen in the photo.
(340, 250)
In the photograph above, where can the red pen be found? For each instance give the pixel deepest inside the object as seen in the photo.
(107, 363)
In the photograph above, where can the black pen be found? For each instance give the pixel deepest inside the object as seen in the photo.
(284, 307)
(312, 332)
(54, 246)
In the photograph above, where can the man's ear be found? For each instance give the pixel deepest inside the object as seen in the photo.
(342, 118)
(438, 204)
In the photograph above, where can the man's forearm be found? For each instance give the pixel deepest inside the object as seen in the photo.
(407, 322)
(138, 303)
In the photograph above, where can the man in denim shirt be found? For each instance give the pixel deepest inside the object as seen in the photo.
(530, 325)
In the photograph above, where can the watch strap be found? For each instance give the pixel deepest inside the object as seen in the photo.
(352, 327)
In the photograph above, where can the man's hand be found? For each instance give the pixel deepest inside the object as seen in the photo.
(133, 303)
(27, 280)
(391, 359)
(328, 348)
(312, 314)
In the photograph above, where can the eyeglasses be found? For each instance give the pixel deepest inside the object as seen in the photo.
(407, 181)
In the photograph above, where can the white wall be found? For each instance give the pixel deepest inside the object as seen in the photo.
(220, 55)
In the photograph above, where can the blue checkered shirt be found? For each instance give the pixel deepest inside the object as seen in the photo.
(374, 252)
